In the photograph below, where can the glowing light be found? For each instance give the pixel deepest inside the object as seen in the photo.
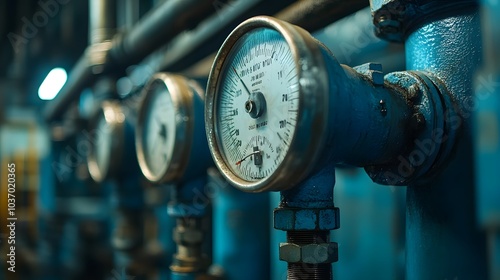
(52, 84)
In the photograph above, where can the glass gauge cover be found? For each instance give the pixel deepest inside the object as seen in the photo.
(164, 127)
(266, 105)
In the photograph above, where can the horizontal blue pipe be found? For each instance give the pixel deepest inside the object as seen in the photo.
(368, 124)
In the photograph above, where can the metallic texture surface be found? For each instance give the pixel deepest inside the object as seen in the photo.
(102, 20)
(191, 47)
(395, 19)
(156, 29)
(442, 237)
(308, 249)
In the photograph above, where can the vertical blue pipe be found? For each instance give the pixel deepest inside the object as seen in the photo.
(278, 267)
(241, 233)
(443, 241)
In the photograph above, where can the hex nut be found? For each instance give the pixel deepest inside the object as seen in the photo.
(309, 253)
(286, 218)
(320, 253)
(290, 252)
(373, 71)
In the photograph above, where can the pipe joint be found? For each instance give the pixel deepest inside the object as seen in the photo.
(428, 100)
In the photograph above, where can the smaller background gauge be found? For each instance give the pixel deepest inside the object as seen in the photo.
(108, 130)
(166, 127)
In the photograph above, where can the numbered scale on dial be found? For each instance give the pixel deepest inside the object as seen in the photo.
(167, 128)
(266, 105)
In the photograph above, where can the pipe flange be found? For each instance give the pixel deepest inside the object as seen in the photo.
(427, 124)
(394, 19)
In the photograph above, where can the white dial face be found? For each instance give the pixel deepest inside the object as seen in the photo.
(103, 145)
(257, 102)
(158, 134)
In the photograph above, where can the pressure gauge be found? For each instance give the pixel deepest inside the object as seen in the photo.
(266, 105)
(166, 137)
(108, 125)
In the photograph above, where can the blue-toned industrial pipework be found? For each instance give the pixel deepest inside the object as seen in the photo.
(443, 241)
(408, 128)
(241, 231)
(128, 202)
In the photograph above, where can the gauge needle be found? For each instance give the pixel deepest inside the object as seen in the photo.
(163, 132)
(247, 156)
(236, 72)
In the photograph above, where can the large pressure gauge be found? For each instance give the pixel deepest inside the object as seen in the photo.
(108, 130)
(166, 137)
(266, 105)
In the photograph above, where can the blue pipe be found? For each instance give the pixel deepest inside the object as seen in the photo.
(442, 237)
(494, 247)
(241, 231)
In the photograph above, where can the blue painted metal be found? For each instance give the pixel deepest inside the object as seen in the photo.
(395, 19)
(241, 231)
(307, 213)
(199, 157)
(359, 116)
(353, 42)
(189, 199)
(442, 237)
(68, 207)
(371, 240)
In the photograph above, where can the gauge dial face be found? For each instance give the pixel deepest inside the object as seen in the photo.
(257, 104)
(105, 154)
(158, 133)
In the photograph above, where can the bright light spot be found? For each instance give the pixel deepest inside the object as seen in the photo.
(52, 84)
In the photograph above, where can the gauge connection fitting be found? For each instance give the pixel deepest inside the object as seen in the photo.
(280, 112)
(171, 149)
(112, 161)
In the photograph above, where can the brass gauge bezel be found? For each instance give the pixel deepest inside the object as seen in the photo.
(114, 117)
(310, 132)
(181, 93)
